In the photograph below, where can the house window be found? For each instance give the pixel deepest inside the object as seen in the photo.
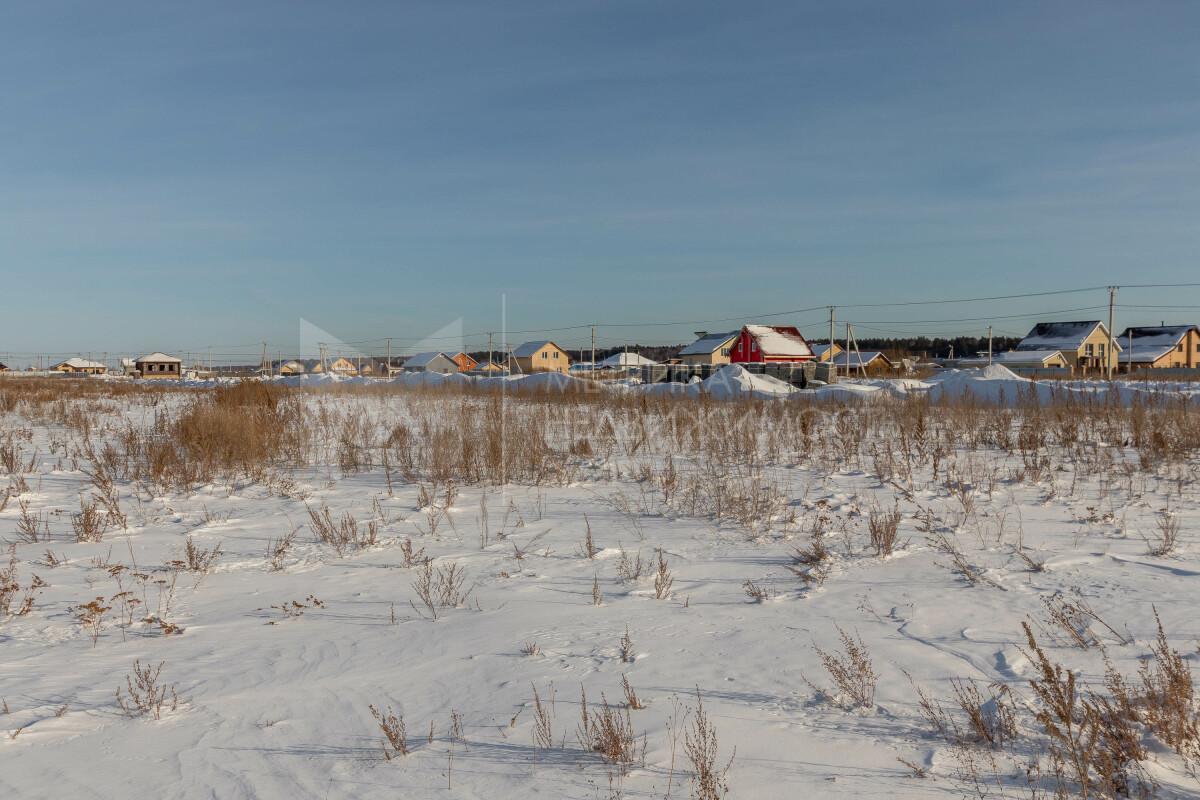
(1179, 347)
(1088, 349)
(725, 351)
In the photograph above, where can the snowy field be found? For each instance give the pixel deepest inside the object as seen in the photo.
(819, 597)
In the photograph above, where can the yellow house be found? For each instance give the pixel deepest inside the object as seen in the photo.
(1083, 344)
(825, 352)
(544, 356)
(80, 366)
(709, 348)
(1162, 346)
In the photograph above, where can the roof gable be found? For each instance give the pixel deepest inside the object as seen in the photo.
(1149, 344)
(529, 349)
(158, 357)
(709, 343)
(779, 340)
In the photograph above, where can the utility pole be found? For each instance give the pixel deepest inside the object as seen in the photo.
(847, 350)
(490, 359)
(832, 363)
(389, 357)
(989, 345)
(593, 350)
(1129, 360)
(1108, 350)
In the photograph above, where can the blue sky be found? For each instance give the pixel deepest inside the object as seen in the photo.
(174, 176)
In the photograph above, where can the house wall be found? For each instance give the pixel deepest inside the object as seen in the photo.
(719, 356)
(548, 359)
(158, 369)
(832, 352)
(443, 365)
(1093, 359)
(746, 351)
(464, 362)
(1186, 355)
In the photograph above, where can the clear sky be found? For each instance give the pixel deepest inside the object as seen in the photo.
(180, 175)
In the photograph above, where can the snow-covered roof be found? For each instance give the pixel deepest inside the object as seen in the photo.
(1149, 344)
(1016, 358)
(1060, 335)
(709, 343)
(530, 348)
(627, 360)
(158, 357)
(863, 359)
(422, 360)
(81, 363)
(779, 341)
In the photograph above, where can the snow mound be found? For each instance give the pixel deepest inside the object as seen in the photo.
(733, 380)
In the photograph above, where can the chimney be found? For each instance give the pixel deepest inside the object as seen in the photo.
(700, 334)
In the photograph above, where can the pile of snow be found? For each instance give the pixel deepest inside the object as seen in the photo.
(733, 381)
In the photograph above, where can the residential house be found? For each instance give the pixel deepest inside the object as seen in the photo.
(3, 367)
(81, 366)
(489, 368)
(1084, 344)
(464, 361)
(158, 365)
(292, 367)
(342, 366)
(773, 344)
(824, 351)
(543, 356)
(1162, 346)
(1021, 359)
(626, 361)
(709, 348)
(431, 362)
(872, 361)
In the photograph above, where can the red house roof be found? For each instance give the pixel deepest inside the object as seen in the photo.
(757, 343)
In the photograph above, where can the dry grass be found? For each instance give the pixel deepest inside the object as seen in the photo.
(1167, 534)
(883, 527)
(709, 775)
(608, 730)
(543, 720)
(663, 579)
(145, 694)
(851, 671)
(395, 735)
(15, 600)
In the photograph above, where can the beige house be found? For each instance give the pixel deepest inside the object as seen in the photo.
(342, 366)
(1021, 359)
(1160, 347)
(1084, 344)
(709, 348)
(158, 365)
(81, 366)
(544, 356)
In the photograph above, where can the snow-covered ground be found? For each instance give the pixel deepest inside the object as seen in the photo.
(277, 653)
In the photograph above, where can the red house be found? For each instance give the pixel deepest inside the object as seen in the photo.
(773, 344)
